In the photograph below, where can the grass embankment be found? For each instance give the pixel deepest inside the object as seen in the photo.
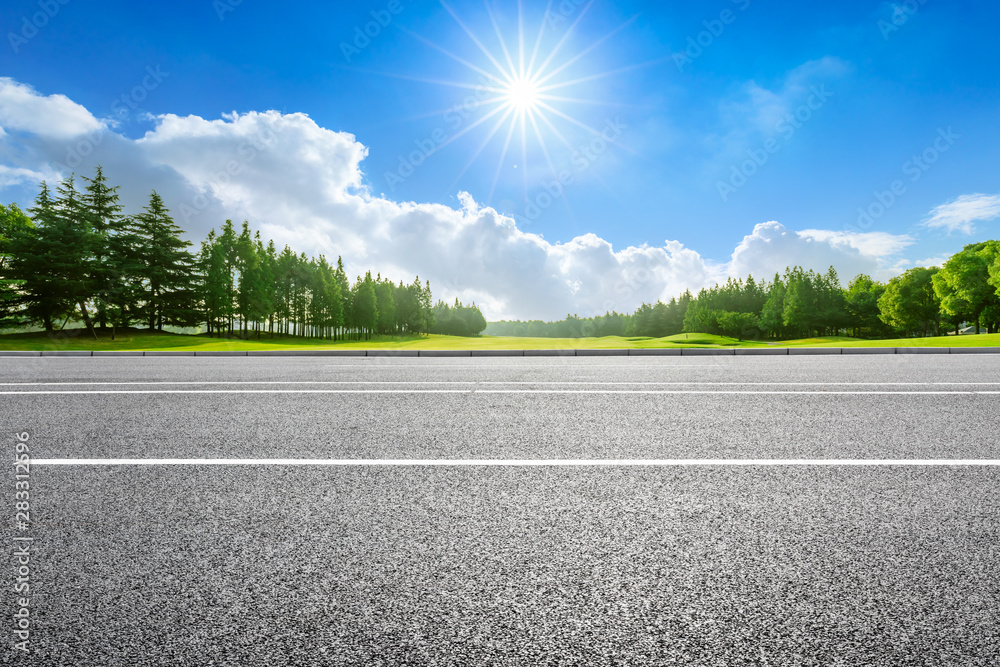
(133, 339)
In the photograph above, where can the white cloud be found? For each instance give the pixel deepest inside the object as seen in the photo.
(875, 244)
(302, 185)
(56, 116)
(17, 175)
(771, 247)
(961, 214)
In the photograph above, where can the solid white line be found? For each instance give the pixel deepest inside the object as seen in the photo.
(523, 463)
(501, 391)
(678, 383)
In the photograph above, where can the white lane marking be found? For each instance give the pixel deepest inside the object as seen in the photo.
(523, 463)
(503, 391)
(678, 383)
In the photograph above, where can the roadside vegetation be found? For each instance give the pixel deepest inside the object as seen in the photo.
(139, 339)
(77, 260)
(76, 256)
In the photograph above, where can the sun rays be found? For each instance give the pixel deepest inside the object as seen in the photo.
(524, 96)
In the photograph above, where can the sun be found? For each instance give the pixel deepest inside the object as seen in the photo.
(523, 94)
(523, 87)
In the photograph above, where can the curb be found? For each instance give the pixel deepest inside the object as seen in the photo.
(639, 352)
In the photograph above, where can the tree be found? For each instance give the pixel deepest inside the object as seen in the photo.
(861, 302)
(801, 313)
(738, 325)
(53, 262)
(365, 306)
(772, 319)
(910, 302)
(963, 283)
(166, 268)
(114, 260)
(385, 305)
(13, 222)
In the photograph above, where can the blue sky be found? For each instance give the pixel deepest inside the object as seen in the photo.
(718, 118)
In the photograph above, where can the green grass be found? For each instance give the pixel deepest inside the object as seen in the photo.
(133, 339)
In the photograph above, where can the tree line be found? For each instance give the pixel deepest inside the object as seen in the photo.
(801, 304)
(77, 256)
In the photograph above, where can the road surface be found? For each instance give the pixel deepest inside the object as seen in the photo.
(387, 550)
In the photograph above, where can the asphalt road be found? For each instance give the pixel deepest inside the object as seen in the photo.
(509, 565)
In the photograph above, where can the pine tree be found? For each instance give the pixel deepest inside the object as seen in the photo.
(13, 222)
(166, 268)
(113, 258)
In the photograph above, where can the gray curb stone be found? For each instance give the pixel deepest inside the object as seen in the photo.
(655, 352)
(220, 353)
(497, 353)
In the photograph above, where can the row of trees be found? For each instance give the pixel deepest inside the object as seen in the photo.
(75, 255)
(920, 302)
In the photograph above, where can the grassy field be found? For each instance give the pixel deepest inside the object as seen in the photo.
(133, 339)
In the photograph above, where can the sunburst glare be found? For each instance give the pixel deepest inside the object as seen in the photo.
(523, 86)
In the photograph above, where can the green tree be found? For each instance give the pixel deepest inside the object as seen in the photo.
(13, 221)
(963, 283)
(772, 319)
(114, 260)
(53, 262)
(910, 303)
(861, 302)
(166, 269)
(365, 306)
(738, 325)
(386, 305)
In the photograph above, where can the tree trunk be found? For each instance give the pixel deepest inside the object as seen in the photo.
(86, 319)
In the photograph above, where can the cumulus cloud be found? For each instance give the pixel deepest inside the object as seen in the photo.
(25, 110)
(771, 247)
(303, 185)
(961, 214)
